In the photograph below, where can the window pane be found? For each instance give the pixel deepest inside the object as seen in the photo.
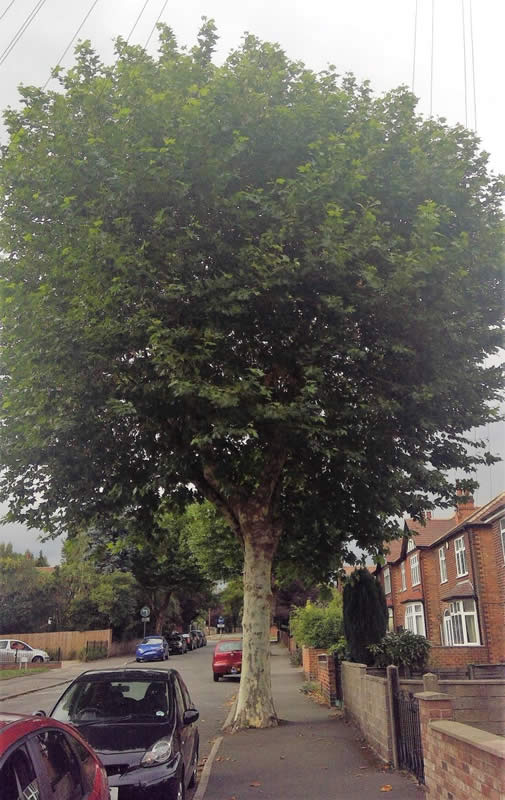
(457, 629)
(469, 605)
(18, 769)
(61, 764)
(471, 629)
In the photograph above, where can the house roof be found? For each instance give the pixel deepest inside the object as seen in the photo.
(424, 536)
(463, 589)
(481, 516)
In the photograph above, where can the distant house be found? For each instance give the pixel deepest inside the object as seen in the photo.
(446, 581)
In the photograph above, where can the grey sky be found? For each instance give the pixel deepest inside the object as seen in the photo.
(372, 38)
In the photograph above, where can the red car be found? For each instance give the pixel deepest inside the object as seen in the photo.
(41, 759)
(227, 660)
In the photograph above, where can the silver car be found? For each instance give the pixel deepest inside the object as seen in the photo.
(17, 651)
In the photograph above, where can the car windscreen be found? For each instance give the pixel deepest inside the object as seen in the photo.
(152, 640)
(227, 647)
(101, 700)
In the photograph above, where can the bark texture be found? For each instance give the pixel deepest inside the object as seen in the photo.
(255, 708)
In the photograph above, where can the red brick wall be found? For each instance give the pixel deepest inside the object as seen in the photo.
(310, 662)
(460, 761)
(327, 679)
(459, 770)
(457, 656)
(496, 602)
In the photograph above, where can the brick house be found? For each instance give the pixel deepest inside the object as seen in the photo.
(447, 582)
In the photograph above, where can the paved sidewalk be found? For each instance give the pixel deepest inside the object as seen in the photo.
(15, 687)
(313, 753)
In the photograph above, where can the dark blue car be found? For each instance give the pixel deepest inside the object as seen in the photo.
(152, 648)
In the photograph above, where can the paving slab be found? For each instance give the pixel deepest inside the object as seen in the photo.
(313, 752)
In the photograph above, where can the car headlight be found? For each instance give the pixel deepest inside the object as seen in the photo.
(158, 753)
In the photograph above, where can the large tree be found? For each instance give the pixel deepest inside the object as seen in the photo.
(257, 283)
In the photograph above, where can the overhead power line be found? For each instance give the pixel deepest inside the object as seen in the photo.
(6, 10)
(137, 20)
(473, 68)
(464, 61)
(21, 30)
(72, 40)
(165, 4)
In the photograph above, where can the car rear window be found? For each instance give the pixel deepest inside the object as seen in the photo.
(227, 647)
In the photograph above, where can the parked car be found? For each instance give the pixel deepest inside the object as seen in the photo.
(177, 644)
(201, 638)
(190, 640)
(42, 759)
(141, 722)
(15, 650)
(152, 648)
(227, 659)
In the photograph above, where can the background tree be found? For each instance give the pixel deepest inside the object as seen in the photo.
(365, 614)
(232, 602)
(24, 598)
(252, 282)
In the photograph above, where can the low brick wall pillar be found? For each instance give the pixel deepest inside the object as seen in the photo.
(326, 677)
(432, 706)
(310, 662)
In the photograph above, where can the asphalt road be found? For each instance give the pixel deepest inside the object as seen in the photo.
(213, 700)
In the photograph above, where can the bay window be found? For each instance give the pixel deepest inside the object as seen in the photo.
(460, 623)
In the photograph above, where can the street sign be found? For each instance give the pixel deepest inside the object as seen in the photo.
(145, 612)
(220, 620)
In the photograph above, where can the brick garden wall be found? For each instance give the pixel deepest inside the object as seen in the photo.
(366, 705)
(478, 703)
(310, 662)
(460, 761)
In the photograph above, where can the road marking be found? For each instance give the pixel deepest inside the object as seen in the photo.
(204, 778)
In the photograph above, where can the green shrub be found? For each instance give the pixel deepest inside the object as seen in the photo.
(310, 687)
(93, 652)
(295, 658)
(404, 649)
(316, 625)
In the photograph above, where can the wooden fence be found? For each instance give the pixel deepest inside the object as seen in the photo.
(69, 642)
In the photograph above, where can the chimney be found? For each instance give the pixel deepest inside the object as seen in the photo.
(465, 508)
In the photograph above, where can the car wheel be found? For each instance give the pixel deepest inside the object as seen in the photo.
(216, 677)
(194, 771)
(37, 660)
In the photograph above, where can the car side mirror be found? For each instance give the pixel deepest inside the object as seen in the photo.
(190, 716)
(39, 713)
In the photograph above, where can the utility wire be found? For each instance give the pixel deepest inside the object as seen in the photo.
(464, 61)
(473, 68)
(432, 48)
(415, 48)
(6, 10)
(165, 4)
(72, 40)
(21, 30)
(137, 20)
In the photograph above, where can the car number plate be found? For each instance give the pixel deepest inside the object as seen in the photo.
(114, 793)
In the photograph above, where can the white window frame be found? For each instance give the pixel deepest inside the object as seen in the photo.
(391, 619)
(415, 571)
(414, 618)
(410, 545)
(502, 536)
(442, 563)
(387, 581)
(460, 554)
(456, 625)
(404, 576)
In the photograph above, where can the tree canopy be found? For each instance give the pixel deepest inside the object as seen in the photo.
(256, 283)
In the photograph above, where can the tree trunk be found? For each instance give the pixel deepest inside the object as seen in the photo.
(161, 613)
(255, 708)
